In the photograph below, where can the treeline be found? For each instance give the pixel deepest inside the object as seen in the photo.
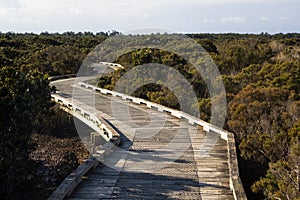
(261, 74)
(52, 54)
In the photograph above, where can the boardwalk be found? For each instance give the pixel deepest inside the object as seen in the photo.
(148, 169)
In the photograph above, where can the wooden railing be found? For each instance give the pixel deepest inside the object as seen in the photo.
(99, 124)
(55, 78)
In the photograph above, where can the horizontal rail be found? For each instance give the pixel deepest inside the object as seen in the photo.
(72, 181)
(97, 123)
(54, 78)
(179, 114)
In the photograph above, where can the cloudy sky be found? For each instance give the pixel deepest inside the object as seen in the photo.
(240, 16)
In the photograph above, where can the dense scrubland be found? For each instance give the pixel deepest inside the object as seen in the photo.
(261, 74)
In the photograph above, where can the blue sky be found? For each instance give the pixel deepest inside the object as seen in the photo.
(217, 16)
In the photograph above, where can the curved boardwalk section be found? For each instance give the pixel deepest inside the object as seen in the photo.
(153, 166)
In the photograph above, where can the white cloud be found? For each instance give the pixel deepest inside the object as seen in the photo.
(56, 14)
(263, 18)
(283, 18)
(9, 3)
(231, 19)
(209, 20)
(121, 4)
(75, 10)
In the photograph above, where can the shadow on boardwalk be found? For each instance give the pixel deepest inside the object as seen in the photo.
(108, 183)
(145, 185)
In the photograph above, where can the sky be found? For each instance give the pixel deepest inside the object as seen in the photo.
(185, 16)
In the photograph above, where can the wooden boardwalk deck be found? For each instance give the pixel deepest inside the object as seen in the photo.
(144, 166)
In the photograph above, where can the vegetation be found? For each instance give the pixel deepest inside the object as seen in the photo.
(261, 74)
(58, 152)
(52, 54)
(25, 99)
(26, 116)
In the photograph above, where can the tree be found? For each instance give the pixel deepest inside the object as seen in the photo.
(283, 177)
(24, 100)
(253, 110)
